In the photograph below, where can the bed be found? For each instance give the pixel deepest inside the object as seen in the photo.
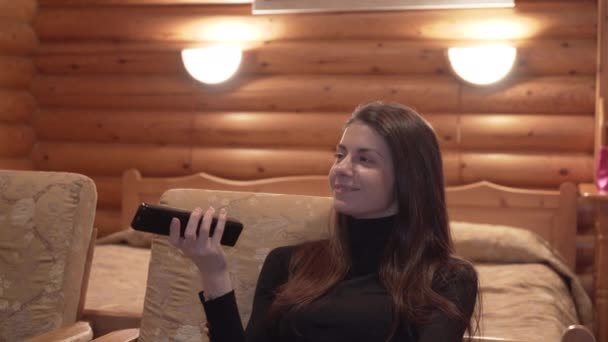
(515, 265)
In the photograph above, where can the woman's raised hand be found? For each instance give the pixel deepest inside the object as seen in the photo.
(205, 251)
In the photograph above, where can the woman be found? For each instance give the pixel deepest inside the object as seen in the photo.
(386, 273)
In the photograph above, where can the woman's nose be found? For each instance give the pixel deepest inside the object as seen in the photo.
(344, 166)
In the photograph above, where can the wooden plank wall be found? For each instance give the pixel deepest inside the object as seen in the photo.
(114, 95)
(17, 43)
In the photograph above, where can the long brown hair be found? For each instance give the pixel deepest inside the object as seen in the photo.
(420, 248)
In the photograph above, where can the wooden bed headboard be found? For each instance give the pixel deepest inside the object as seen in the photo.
(551, 214)
(136, 189)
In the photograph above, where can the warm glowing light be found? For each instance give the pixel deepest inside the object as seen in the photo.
(222, 29)
(512, 28)
(239, 118)
(229, 31)
(482, 65)
(213, 64)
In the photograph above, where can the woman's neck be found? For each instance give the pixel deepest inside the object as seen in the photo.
(367, 242)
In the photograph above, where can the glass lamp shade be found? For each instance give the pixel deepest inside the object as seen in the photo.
(484, 64)
(213, 64)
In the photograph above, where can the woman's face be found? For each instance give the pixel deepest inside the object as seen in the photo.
(362, 177)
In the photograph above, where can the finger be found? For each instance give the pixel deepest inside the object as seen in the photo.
(219, 227)
(174, 237)
(193, 222)
(203, 234)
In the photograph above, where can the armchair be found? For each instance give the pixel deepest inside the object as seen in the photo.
(46, 244)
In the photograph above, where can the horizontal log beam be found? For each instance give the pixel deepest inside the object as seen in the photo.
(109, 191)
(62, 3)
(501, 132)
(16, 164)
(16, 140)
(49, 48)
(89, 3)
(538, 95)
(322, 130)
(16, 106)
(518, 169)
(568, 57)
(564, 94)
(260, 163)
(209, 23)
(23, 10)
(112, 160)
(533, 170)
(574, 57)
(17, 37)
(16, 72)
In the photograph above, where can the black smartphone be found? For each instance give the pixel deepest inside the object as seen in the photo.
(156, 219)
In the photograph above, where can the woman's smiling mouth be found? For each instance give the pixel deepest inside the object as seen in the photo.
(339, 188)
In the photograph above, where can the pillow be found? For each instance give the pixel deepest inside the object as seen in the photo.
(479, 242)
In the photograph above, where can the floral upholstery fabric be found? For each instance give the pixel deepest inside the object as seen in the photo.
(46, 222)
(510, 261)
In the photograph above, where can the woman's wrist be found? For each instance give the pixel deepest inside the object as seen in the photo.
(216, 286)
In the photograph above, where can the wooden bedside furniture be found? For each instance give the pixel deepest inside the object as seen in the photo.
(600, 202)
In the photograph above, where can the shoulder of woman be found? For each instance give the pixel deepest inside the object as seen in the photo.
(285, 252)
(281, 253)
(279, 259)
(458, 264)
(455, 271)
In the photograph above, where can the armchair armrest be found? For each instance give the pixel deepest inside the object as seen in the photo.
(126, 335)
(578, 333)
(77, 332)
(106, 321)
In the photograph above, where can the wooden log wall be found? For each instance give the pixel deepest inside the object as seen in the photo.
(114, 94)
(17, 43)
(601, 128)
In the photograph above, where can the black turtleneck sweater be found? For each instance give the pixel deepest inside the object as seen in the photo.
(357, 309)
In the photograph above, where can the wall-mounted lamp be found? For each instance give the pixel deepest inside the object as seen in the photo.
(483, 64)
(212, 64)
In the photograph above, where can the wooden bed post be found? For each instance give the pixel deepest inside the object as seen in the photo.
(600, 202)
(602, 75)
(601, 270)
(130, 201)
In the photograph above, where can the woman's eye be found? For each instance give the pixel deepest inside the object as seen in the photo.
(364, 159)
(339, 155)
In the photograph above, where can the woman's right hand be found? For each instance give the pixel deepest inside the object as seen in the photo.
(205, 251)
